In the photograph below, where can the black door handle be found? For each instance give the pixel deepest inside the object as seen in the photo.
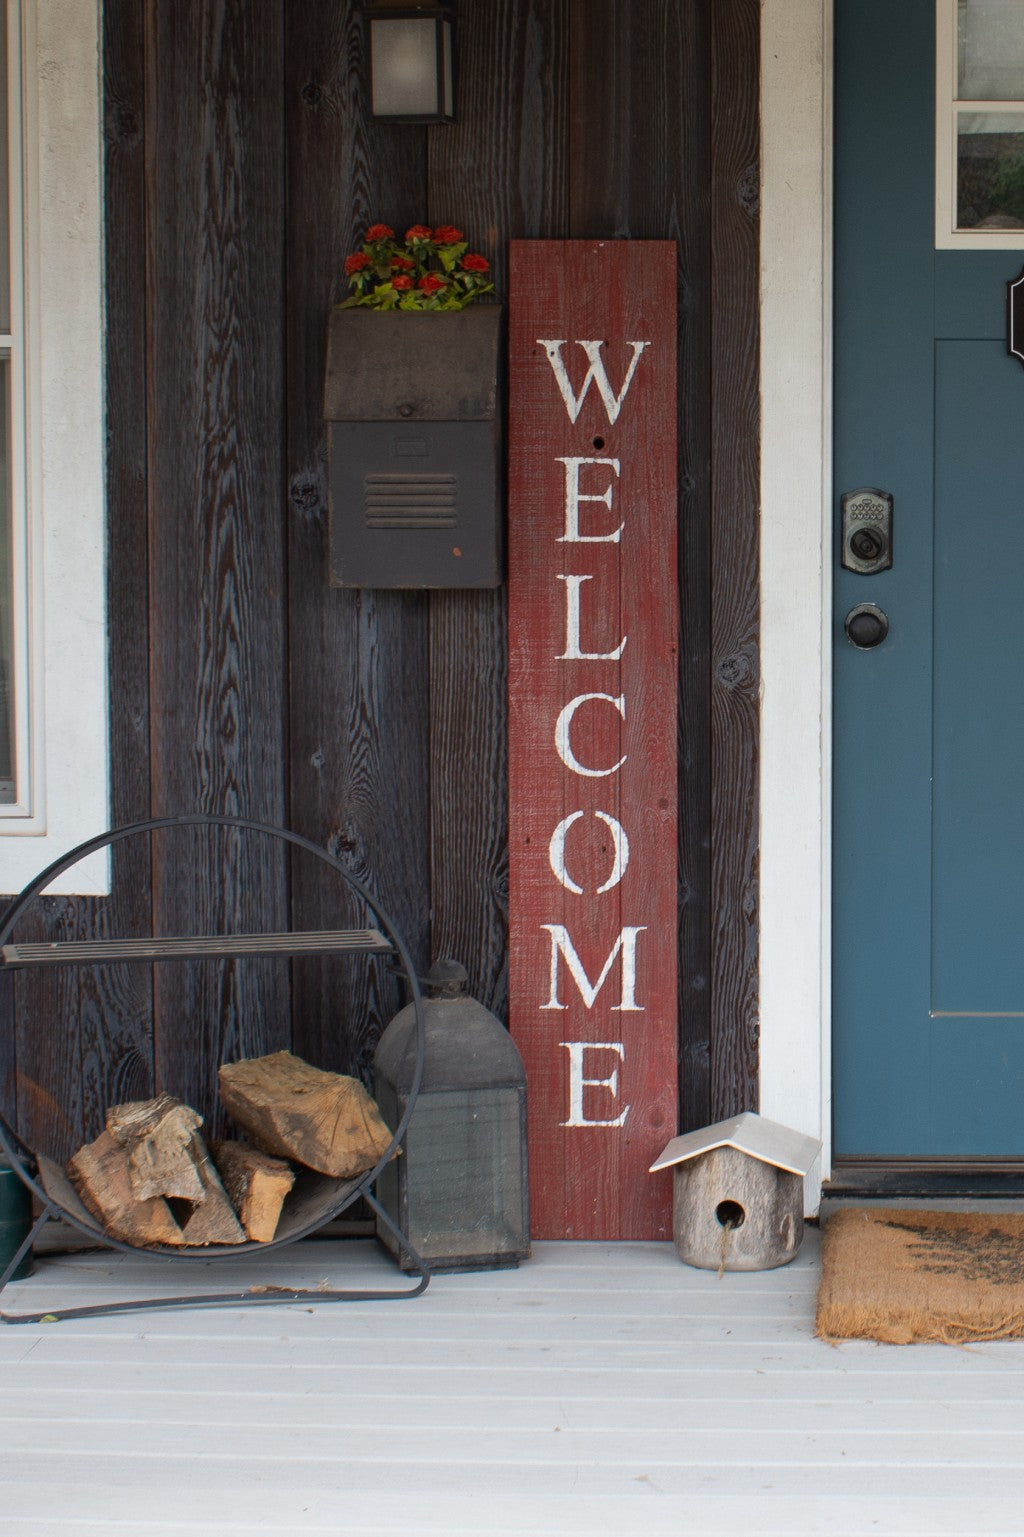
(866, 626)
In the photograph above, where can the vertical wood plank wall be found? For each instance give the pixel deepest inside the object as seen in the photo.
(240, 170)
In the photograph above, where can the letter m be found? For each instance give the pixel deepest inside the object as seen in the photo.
(596, 372)
(562, 945)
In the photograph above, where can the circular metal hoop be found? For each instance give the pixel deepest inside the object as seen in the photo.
(344, 1192)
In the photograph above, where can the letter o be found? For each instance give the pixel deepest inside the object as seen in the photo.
(556, 852)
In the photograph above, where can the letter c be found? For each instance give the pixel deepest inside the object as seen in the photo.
(562, 725)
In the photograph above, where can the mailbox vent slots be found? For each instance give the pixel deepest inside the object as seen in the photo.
(410, 501)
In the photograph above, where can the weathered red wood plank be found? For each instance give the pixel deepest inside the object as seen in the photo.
(593, 668)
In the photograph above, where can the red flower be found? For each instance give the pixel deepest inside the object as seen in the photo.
(424, 270)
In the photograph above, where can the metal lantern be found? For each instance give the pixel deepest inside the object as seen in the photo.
(15, 1221)
(459, 1190)
(412, 63)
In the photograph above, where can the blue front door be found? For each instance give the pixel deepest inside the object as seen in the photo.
(929, 723)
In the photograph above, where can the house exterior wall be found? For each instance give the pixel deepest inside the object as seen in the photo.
(240, 170)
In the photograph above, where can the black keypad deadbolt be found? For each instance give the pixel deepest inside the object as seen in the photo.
(867, 531)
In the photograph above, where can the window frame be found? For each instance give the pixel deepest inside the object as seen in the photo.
(947, 105)
(12, 348)
(58, 502)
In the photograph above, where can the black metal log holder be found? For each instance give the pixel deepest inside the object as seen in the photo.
(315, 1199)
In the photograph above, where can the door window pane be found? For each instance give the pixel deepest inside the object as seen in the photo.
(990, 170)
(990, 50)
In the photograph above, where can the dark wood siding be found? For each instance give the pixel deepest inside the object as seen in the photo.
(240, 170)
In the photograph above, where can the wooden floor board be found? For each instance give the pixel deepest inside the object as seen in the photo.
(858, 1419)
(460, 1516)
(597, 1390)
(41, 1387)
(551, 1448)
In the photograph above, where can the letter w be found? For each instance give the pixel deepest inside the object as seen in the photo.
(562, 944)
(596, 371)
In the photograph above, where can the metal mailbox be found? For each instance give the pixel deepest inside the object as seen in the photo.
(412, 405)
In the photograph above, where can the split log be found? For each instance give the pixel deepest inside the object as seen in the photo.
(157, 1136)
(100, 1173)
(326, 1121)
(257, 1185)
(213, 1220)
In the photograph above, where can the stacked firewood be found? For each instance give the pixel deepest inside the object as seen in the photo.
(151, 1178)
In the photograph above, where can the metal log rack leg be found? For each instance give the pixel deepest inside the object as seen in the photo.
(26, 1163)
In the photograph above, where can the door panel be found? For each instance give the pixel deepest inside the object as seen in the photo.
(929, 726)
(978, 817)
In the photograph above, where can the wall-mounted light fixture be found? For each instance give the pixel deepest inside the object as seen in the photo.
(412, 56)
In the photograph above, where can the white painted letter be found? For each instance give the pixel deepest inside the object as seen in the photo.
(563, 724)
(577, 1082)
(562, 944)
(556, 852)
(573, 402)
(573, 497)
(572, 652)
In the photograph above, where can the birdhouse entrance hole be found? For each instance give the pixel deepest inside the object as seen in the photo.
(730, 1214)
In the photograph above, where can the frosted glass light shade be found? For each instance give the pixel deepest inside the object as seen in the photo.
(411, 64)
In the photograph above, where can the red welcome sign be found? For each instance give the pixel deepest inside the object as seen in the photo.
(593, 669)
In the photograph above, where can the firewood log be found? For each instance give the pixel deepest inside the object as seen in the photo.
(256, 1183)
(99, 1171)
(326, 1121)
(213, 1220)
(157, 1136)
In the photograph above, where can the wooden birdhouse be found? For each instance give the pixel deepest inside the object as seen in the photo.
(738, 1200)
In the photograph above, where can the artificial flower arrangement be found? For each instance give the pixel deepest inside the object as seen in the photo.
(433, 270)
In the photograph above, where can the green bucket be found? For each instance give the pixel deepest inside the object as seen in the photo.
(15, 1220)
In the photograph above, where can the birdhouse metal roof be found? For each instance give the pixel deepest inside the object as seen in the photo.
(749, 1133)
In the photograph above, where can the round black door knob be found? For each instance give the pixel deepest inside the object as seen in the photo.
(866, 626)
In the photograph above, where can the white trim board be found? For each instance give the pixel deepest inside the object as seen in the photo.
(796, 406)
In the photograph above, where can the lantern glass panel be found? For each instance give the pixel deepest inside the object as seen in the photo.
(404, 67)
(465, 1191)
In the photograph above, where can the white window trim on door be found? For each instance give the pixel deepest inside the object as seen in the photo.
(796, 565)
(63, 508)
(947, 235)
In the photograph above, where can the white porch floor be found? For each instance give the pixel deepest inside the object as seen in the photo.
(599, 1389)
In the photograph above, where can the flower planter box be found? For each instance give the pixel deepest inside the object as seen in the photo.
(414, 424)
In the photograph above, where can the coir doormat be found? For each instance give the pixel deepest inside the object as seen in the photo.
(917, 1276)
